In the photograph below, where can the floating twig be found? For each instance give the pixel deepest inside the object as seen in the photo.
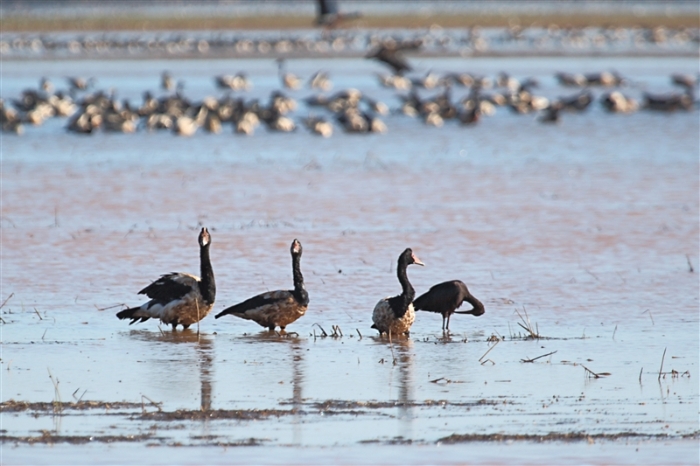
(650, 316)
(640, 375)
(6, 300)
(143, 408)
(489, 350)
(109, 307)
(662, 364)
(358, 332)
(37, 313)
(594, 375)
(444, 380)
(690, 264)
(614, 331)
(538, 357)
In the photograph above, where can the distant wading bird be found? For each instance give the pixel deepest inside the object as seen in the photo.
(276, 308)
(394, 316)
(444, 298)
(389, 54)
(329, 15)
(179, 298)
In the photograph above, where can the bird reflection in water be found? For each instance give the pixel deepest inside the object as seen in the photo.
(296, 353)
(297, 391)
(203, 349)
(403, 360)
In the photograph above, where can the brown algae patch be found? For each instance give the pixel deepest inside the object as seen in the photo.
(231, 414)
(557, 437)
(48, 438)
(12, 406)
(330, 405)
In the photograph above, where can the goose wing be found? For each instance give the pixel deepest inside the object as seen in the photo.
(440, 297)
(257, 302)
(170, 287)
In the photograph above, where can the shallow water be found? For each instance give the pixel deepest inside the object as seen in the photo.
(590, 226)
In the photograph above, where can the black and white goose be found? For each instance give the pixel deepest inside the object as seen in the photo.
(444, 298)
(394, 316)
(179, 298)
(276, 308)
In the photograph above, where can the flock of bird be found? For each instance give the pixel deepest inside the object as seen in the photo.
(184, 299)
(90, 110)
(348, 42)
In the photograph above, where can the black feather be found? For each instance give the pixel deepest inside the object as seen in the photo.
(165, 290)
(444, 298)
(250, 304)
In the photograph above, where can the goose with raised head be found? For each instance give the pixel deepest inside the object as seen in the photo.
(276, 308)
(179, 298)
(394, 316)
(444, 298)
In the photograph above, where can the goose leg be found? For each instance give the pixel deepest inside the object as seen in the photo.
(448, 321)
(185, 327)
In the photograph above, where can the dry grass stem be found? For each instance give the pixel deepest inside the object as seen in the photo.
(489, 350)
(37, 313)
(690, 264)
(358, 332)
(391, 347)
(534, 332)
(143, 407)
(109, 307)
(196, 303)
(57, 403)
(595, 375)
(446, 381)
(662, 364)
(323, 332)
(6, 300)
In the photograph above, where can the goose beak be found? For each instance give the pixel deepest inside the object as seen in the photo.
(416, 260)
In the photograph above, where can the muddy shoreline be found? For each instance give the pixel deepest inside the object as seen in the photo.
(18, 22)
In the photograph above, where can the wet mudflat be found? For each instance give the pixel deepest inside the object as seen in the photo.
(589, 226)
